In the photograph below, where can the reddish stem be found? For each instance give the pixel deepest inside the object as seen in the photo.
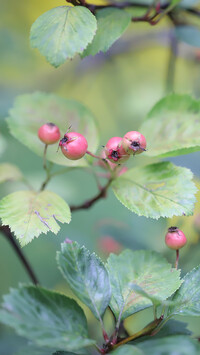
(177, 258)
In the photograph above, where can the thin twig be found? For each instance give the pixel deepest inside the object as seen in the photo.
(7, 233)
(145, 331)
(177, 258)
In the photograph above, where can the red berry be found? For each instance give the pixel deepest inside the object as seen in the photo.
(114, 150)
(109, 245)
(49, 133)
(134, 142)
(175, 238)
(73, 145)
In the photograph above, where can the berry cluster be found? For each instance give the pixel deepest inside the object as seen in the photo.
(74, 145)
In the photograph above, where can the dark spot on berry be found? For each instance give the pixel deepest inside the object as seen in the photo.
(63, 140)
(50, 124)
(135, 144)
(115, 154)
(172, 229)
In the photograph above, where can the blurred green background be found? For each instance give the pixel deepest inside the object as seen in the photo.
(119, 87)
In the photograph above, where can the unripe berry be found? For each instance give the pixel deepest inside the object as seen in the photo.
(49, 133)
(114, 150)
(175, 238)
(134, 142)
(73, 145)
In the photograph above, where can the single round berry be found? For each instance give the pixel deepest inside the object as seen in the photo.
(134, 142)
(49, 133)
(108, 244)
(115, 152)
(175, 238)
(73, 145)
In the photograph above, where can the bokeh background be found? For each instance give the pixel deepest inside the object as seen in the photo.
(119, 87)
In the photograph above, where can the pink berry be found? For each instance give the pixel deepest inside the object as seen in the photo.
(73, 145)
(175, 238)
(108, 245)
(49, 133)
(134, 142)
(105, 165)
(114, 150)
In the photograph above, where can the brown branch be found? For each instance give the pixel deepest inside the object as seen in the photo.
(7, 233)
(89, 203)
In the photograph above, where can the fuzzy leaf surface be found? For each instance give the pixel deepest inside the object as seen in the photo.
(111, 24)
(86, 276)
(31, 111)
(62, 32)
(29, 214)
(188, 295)
(47, 318)
(147, 269)
(157, 190)
(9, 172)
(172, 126)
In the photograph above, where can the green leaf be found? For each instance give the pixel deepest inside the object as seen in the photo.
(111, 23)
(189, 35)
(127, 350)
(173, 345)
(157, 190)
(62, 32)
(188, 295)
(29, 214)
(189, 3)
(45, 317)
(172, 127)
(33, 110)
(147, 269)
(86, 275)
(9, 172)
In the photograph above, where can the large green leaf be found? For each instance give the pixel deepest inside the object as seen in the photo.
(9, 172)
(86, 275)
(173, 345)
(172, 126)
(188, 295)
(127, 350)
(45, 317)
(62, 32)
(33, 110)
(29, 214)
(157, 190)
(189, 35)
(111, 23)
(147, 269)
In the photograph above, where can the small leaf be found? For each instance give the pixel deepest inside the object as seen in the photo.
(29, 214)
(146, 269)
(111, 23)
(172, 127)
(86, 275)
(62, 32)
(9, 172)
(157, 190)
(188, 295)
(189, 34)
(47, 318)
(33, 110)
